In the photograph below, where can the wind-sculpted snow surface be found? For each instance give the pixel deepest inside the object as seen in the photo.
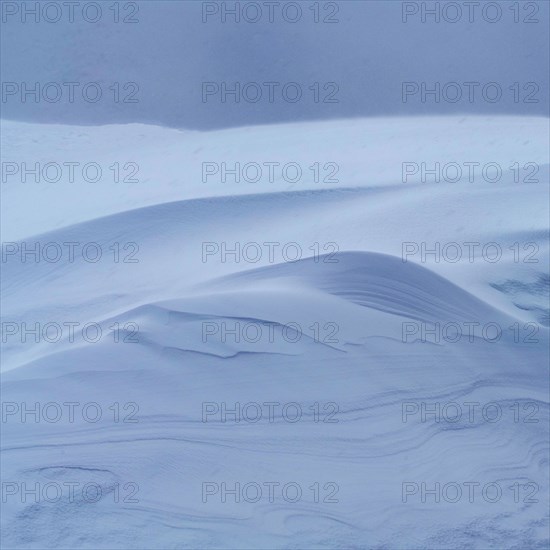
(355, 395)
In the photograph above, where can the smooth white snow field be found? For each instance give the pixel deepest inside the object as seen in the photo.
(321, 391)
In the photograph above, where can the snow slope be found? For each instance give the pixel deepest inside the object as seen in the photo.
(327, 329)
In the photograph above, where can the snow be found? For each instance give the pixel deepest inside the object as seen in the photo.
(357, 367)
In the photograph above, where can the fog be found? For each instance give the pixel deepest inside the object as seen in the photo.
(359, 53)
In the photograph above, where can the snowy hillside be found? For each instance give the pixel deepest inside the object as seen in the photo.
(291, 336)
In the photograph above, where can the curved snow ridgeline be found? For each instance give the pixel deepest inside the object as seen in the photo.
(276, 364)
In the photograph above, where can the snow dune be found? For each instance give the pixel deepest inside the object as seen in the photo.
(337, 332)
